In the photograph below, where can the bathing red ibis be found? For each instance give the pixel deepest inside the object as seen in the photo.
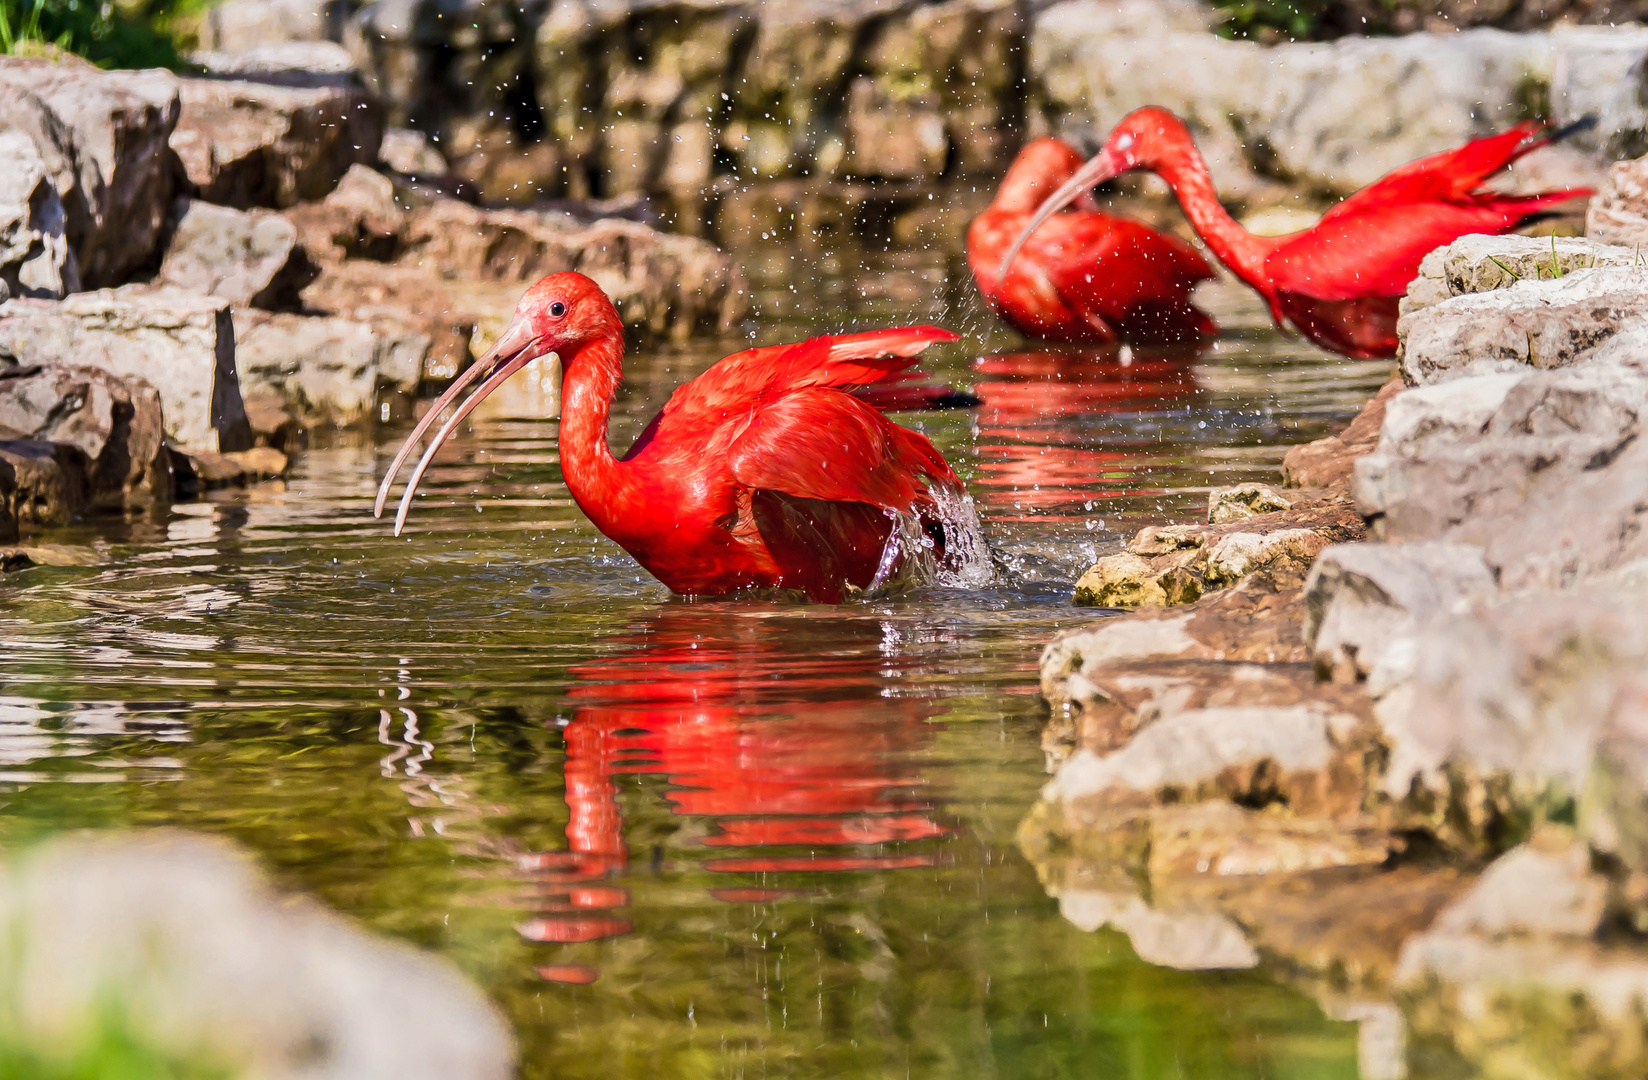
(1339, 281)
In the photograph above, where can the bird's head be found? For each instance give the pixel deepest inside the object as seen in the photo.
(560, 314)
(1141, 141)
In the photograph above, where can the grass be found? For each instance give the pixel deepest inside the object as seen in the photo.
(125, 34)
(112, 1049)
(1295, 19)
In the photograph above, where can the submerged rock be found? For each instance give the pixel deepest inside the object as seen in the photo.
(179, 342)
(181, 939)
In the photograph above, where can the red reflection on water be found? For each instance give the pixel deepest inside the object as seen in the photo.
(1021, 467)
(576, 974)
(773, 727)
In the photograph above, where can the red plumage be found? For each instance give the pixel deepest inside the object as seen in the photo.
(1338, 282)
(1084, 276)
(765, 471)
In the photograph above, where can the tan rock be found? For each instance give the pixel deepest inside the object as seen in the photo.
(1618, 212)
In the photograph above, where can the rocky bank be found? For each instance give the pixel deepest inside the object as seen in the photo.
(1405, 772)
(195, 269)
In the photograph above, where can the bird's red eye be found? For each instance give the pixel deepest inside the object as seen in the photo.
(557, 309)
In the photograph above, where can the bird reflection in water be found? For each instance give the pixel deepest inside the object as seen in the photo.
(767, 721)
(1034, 455)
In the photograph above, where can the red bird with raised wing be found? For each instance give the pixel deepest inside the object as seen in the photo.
(764, 472)
(1085, 276)
(1339, 281)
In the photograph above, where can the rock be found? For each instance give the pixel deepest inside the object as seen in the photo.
(283, 63)
(892, 137)
(201, 470)
(204, 961)
(116, 424)
(365, 291)
(246, 258)
(1188, 940)
(1360, 599)
(1618, 213)
(410, 153)
(8, 514)
(273, 422)
(1176, 564)
(240, 26)
(49, 482)
(246, 144)
(1246, 500)
(360, 218)
(103, 136)
(1328, 463)
(328, 370)
(181, 343)
(1226, 840)
(1551, 487)
(1481, 263)
(35, 257)
(1539, 324)
(1300, 110)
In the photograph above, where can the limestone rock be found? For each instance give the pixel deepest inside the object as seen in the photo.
(328, 370)
(1481, 263)
(103, 136)
(283, 63)
(116, 424)
(360, 218)
(1246, 500)
(1618, 213)
(1361, 599)
(410, 153)
(35, 257)
(1328, 463)
(1189, 940)
(1538, 324)
(240, 26)
(246, 258)
(201, 470)
(1226, 840)
(246, 144)
(49, 482)
(185, 936)
(893, 138)
(181, 343)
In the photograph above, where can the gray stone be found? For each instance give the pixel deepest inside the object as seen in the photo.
(1246, 500)
(240, 26)
(1541, 888)
(103, 136)
(1186, 939)
(35, 258)
(1482, 263)
(205, 959)
(328, 370)
(411, 153)
(891, 137)
(1540, 324)
(283, 63)
(181, 343)
(1360, 599)
(246, 258)
(246, 144)
(1618, 213)
(116, 424)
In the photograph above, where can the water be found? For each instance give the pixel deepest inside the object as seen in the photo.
(727, 838)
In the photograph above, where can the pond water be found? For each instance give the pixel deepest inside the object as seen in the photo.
(732, 838)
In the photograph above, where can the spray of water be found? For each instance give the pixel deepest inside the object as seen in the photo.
(911, 559)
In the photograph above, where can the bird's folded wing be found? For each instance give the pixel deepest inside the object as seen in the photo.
(820, 443)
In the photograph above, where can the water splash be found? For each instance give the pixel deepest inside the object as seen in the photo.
(910, 557)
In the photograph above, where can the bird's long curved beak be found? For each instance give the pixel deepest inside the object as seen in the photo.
(1098, 169)
(515, 348)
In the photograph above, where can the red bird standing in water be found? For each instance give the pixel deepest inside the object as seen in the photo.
(1084, 276)
(1339, 281)
(765, 471)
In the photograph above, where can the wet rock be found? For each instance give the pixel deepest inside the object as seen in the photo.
(1186, 939)
(115, 423)
(1226, 840)
(1246, 500)
(1300, 110)
(1176, 564)
(1550, 486)
(328, 370)
(239, 26)
(201, 470)
(273, 422)
(35, 257)
(179, 342)
(1538, 324)
(246, 144)
(1481, 263)
(8, 515)
(283, 63)
(1618, 212)
(103, 137)
(1361, 599)
(206, 960)
(50, 482)
(1329, 462)
(246, 258)
(410, 153)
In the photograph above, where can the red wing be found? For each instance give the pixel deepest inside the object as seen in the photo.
(1450, 176)
(845, 361)
(1377, 252)
(820, 443)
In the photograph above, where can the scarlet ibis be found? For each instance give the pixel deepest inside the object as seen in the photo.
(1339, 281)
(763, 472)
(1084, 276)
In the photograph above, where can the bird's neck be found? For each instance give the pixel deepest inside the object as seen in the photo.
(1185, 171)
(591, 379)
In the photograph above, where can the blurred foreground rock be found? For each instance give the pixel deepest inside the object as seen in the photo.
(1415, 780)
(181, 940)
